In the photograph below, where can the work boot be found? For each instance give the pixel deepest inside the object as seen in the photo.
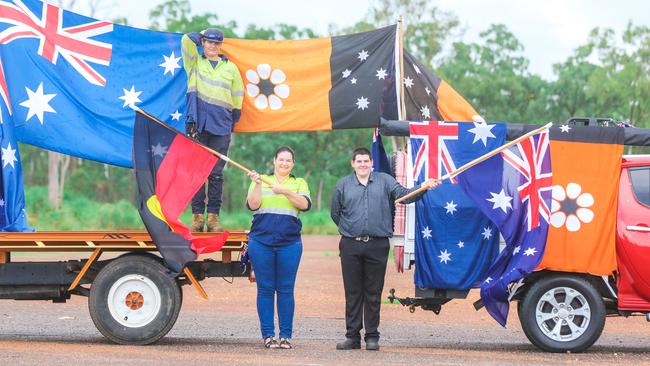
(349, 343)
(213, 222)
(198, 220)
(372, 344)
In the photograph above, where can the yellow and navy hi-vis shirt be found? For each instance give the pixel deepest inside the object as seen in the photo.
(276, 222)
(214, 93)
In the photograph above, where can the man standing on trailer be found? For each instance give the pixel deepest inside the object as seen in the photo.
(215, 92)
(361, 208)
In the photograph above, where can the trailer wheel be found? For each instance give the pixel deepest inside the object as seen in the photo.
(562, 313)
(133, 301)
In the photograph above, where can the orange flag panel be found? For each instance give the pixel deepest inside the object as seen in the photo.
(303, 67)
(587, 174)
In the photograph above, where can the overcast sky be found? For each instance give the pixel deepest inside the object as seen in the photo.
(549, 30)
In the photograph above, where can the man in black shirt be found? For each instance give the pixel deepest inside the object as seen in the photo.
(361, 208)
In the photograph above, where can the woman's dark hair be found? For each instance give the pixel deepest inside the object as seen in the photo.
(282, 149)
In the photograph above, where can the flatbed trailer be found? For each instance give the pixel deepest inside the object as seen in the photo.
(132, 298)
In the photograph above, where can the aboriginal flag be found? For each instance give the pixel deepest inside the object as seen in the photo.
(170, 168)
(586, 169)
(317, 84)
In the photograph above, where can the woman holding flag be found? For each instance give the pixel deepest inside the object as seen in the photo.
(275, 245)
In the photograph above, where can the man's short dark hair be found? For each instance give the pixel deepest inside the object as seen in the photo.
(361, 151)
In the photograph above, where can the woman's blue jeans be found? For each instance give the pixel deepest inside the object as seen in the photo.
(275, 272)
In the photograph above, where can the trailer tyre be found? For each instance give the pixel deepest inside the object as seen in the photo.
(133, 301)
(562, 313)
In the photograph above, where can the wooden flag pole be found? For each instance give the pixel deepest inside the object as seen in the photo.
(402, 102)
(479, 160)
(213, 152)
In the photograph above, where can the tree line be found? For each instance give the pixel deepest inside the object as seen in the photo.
(607, 76)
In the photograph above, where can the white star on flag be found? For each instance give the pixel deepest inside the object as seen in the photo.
(565, 128)
(381, 74)
(353, 80)
(426, 233)
(363, 55)
(176, 116)
(425, 111)
(461, 244)
(500, 200)
(362, 103)
(530, 251)
(451, 207)
(130, 97)
(408, 82)
(444, 256)
(516, 250)
(346, 73)
(488, 280)
(170, 64)
(426, 89)
(487, 233)
(482, 131)
(416, 68)
(8, 156)
(2, 202)
(158, 149)
(37, 103)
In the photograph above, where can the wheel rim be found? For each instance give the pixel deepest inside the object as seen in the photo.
(134, 301)
(563, 314)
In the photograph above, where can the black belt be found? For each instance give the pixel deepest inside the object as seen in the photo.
(363, 238)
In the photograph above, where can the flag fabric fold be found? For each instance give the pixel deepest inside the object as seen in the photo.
(513, 189)
(380, 161)
(170, 168)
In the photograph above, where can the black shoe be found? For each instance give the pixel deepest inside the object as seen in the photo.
(372, 344)
(349, 343)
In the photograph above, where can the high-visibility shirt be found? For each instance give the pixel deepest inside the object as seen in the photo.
(276, 222)
(214, 93)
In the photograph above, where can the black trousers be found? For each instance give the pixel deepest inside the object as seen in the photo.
(364, 267)
(215, 179)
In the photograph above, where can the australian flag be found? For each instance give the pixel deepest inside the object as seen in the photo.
(66, 77)
(512, 190)
(455, 243)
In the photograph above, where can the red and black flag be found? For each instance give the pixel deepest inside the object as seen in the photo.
(317, 84)
(170, 168)
(429, 98)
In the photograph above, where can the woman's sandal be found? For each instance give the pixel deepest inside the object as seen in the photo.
(270, 342)
(284, 343)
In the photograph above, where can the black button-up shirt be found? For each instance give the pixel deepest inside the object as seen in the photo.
(366, 210)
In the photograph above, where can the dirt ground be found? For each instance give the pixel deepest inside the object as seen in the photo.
(225, 329)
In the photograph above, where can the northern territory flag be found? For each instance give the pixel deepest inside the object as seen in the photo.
(170, 168)
(317, 84)
(586, 168)
(427, 97)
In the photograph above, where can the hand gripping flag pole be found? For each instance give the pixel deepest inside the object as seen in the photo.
(214, 152)
(478, 160)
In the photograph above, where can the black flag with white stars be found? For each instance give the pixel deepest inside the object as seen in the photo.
(363, 78)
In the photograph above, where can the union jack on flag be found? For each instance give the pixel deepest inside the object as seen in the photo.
(70, 83)
(529, 162)
(433, 155)
(73, 42)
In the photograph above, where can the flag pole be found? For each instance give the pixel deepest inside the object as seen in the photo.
(402, 101)
(479, 160)
(213, 152)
